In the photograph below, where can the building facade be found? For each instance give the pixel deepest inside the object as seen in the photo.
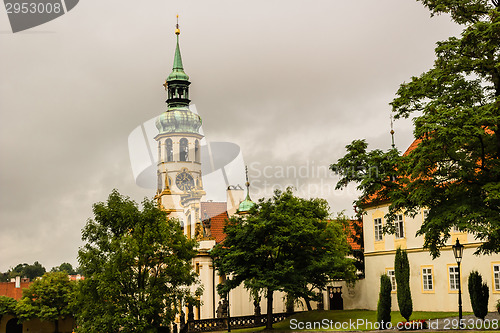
(433, 282)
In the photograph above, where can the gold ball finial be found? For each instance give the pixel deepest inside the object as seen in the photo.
(177, 30)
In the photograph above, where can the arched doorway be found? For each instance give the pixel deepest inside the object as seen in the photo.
(13, 326)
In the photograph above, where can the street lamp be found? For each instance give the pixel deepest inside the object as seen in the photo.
(458, 251)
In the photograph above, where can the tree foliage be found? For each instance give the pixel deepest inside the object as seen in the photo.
(65, 267)
(137, 267)
(7, 306)
(384, 301)
(454, 171)
(285, 243)
(479, 294)
(49, 298)
(29, 271)
(402, 274)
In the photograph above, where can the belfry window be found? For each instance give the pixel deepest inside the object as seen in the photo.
(184, 150)
(197, 151)
(169, 152)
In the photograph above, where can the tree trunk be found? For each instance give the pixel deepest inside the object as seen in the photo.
(269, 324)
(308, 304)
(56, 325)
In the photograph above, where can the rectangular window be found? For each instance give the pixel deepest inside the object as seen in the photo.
(392, 276)
(378, 229)
(454, 280)
(427, 279)
(496, 277)
(400, 228)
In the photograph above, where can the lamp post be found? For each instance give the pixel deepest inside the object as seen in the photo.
(458, 251)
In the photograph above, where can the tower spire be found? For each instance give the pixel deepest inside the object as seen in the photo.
(177, 83)
(392, 132)
(177, 57)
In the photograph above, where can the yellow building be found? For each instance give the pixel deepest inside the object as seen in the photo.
(433, 283)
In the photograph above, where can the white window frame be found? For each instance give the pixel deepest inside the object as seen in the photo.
(427, 280)
(453, 277)
(392, 276)
(496, 276)
(377, 225)
(400, 227)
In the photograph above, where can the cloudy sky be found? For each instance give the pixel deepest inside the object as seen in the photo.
(290, 82)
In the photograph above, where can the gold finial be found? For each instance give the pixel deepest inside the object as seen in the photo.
(177, 30)
(166, 85)
(246, 172)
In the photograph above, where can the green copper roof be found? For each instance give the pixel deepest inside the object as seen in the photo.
(178, 70)
(178, 120)
(246, 204)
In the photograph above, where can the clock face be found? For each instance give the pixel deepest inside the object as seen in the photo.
(184, 181)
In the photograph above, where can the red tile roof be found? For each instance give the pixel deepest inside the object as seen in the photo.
(352, 231)
(9, 289)
(412, 147)
(216, 212)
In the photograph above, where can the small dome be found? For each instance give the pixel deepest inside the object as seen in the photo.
(178, 120)
(245, 206)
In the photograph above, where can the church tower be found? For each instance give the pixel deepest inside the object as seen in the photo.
(180, 187)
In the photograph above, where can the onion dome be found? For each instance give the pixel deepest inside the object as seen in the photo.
(178, 120)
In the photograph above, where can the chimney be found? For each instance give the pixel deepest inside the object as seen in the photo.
(235, 195)
(18, 282)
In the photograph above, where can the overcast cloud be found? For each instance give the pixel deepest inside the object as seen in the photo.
(290, 82)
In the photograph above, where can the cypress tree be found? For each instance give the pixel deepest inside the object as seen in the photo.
(384, 301)
(402, 273)
(479, 294)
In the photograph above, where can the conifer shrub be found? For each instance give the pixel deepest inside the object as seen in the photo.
(384, 301)
(479, 294)
(402, 274)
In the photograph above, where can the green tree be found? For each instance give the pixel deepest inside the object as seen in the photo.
(402, 274)
(137, 267)
(7, 306)
(29, 271)
(49, 298)
(4, 277)
(454, 171)
(479, 294)
(285, 243)
(384, 301)
(64, 267)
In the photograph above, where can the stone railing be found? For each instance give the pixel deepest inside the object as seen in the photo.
(220, 324)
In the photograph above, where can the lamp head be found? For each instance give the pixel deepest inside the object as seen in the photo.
(458, 251)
